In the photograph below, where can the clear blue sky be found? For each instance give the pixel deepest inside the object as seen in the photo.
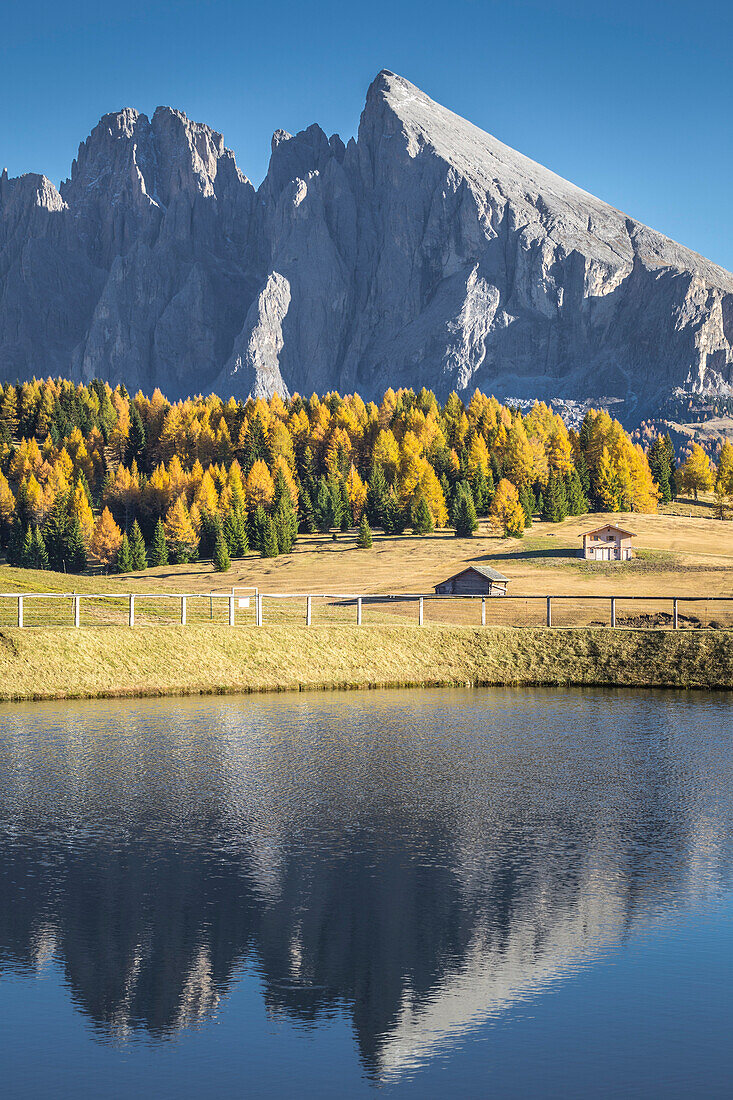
(631, 101)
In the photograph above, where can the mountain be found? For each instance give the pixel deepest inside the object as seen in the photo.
(425, 252)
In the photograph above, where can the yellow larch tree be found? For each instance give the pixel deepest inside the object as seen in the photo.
(259, 488)
(81, 508)
(697, 472)
(180, 532)
(106, 539)
(357, 491)
(506, 512)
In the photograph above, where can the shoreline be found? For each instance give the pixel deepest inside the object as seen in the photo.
(52, 663)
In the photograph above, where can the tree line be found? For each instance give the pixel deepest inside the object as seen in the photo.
(89, 474)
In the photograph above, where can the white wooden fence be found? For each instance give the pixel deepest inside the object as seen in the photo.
(70, 609)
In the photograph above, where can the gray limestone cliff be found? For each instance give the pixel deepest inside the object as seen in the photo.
(425, 252)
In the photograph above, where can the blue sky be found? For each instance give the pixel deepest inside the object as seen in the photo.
(631, 101)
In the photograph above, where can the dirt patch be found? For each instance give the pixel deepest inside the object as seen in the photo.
(660, 620)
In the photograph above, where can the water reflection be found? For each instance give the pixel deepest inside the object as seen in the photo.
(421, 861)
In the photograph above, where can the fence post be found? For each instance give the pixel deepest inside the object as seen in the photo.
(613, 610)
(259, 610)
(307, 611)
(231, 610)
(76, 611)
(131, 613)
(675, 616)
(420, 612)
(483, 611)
(549, 611)
(358, 611)
(183, 610)
(20, 610)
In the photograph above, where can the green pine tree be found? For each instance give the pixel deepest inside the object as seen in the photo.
(306, 516)
(55, 532)
(464, 515)
(256, 531)
(285, 521)
(394, 517)
(269, 540)
(576, 498)
(28, 553)
(364, 538)
(40, 554)
(526, 499)
(222, 561)
(75, 548)
(420, 516)
(135, 438)
(159, 547)
(124, 557)
(376, 499)
(555, 505)
(137, 548)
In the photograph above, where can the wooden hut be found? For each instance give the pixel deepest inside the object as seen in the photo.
(607, 543)
(474, 580)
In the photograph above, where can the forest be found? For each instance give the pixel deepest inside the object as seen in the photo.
(91, 477)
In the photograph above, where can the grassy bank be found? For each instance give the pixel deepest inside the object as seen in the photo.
(57, 663)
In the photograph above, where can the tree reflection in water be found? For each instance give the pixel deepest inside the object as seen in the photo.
(419, 860)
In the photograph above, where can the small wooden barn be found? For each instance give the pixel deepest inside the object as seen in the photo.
(607, 543)
(474, 580)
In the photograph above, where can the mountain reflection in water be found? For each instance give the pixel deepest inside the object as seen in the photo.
(419, 861)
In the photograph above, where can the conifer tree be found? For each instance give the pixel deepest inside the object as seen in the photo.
(697, 472)
(27, 554)
(285, 522)
(76, 547)
(526, 499)
(464, 513)
(135, 439)
(137, 548)
(364, 537)
(323, 506)
(306, 517)
(506, 510)
(577, 501)
(159, 547)
(269, 540)
(222, 561)
(256, 528)
(235, 532)
(40, 553)
(346, 517)
(555, 505)
(394, 518)
(661, 465)
(420, 518)
(123, 563)
(377, 493)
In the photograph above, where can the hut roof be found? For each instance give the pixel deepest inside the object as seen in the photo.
(484, 570)
(608, 527)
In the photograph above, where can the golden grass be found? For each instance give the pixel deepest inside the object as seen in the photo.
(682, 555)
(50, 663)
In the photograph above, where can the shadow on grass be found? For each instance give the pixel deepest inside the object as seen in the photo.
(526, 555)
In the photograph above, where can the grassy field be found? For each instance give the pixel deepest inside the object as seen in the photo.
(53, 663)
(687, 555)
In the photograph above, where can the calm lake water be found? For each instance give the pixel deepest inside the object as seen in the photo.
(420, 894)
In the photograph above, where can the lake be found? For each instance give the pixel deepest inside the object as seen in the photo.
(494, 892)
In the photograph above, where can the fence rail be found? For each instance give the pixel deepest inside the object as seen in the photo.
(74, 609)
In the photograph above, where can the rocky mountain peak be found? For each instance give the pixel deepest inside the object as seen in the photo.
(425, 252)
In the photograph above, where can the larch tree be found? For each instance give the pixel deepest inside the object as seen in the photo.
(106, 539)
(259, 487)
(697, 472)
(507, 514)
